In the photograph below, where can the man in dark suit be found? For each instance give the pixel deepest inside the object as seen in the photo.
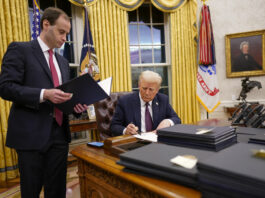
(245, 62)
(36, 128)
(146, 110)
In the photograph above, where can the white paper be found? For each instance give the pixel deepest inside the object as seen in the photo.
(106, 85)
(203, 131)
(150, 136)
(184, 161)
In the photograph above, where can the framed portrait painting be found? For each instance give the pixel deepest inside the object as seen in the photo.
(245, 54)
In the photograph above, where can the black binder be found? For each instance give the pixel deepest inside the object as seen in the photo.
(154, 160)
(186, 135)
(234, 172)
(85, 90)
(258, 139)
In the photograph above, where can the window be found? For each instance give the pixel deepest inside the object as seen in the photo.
(67, 49)
(149, 44)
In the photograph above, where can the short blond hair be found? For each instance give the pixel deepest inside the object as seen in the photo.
(150, 77)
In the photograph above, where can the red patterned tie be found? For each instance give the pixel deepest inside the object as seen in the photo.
(57, 112)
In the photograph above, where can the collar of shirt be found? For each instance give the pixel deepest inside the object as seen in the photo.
(45, 49)
(43, 46)
(143, 102)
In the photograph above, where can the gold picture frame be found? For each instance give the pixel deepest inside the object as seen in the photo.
(245, 53)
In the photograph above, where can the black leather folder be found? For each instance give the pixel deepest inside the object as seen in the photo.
(234, 172)
(154, 160)
(245, 133)
(186, 135)
(85, 90)
(258, 139)
(249, 130)
(189, 131)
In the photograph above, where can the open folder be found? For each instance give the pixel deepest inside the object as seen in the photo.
(85, 90)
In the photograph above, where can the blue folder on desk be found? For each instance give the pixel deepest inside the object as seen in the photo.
(234, 172)
(187, 135)
(85, 90)
(154, 160)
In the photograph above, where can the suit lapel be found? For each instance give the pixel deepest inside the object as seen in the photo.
(37, 52)
(155, 109)
(62, 68)
(137, 107)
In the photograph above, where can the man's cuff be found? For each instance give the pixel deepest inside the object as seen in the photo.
(124, 131)
(171, 122)
(41, 95)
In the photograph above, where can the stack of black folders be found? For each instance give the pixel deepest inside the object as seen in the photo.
(153, 160)
(258, 138)
(237, 171)
(201, 137)
(250, 135)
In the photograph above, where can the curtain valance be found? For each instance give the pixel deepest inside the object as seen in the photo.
(130, 5)
(82, 3)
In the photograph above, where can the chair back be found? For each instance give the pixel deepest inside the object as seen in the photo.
(104, 111)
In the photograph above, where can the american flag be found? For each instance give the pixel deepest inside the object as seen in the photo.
(36, 21)
(207, 85)
(88, 59)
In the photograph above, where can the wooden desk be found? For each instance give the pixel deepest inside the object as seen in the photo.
(214, 122)
(100, 176)
(82, 125)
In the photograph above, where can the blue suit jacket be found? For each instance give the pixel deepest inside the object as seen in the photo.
(25, 72)
(128, 111)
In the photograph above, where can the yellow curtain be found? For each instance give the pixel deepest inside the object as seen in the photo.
(109, 27)
(184, 66)
(14, 26)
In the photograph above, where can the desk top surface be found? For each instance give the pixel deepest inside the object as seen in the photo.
(102, 159)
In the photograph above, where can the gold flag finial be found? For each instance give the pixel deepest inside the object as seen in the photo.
(203, 1)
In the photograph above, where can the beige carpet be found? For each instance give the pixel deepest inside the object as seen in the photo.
(73, 189)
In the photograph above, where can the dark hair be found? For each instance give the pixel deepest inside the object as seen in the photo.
(52, 14)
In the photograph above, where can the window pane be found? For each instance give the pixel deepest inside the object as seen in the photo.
(133, 35)
(144, 13)
(134, 53)
(67, 51)
(136, 71)
(157, 15)
(73, 72)
(158, 34)
(132, 17)
(159, 54)
(145, 34)
(148, 68)
(146, 54)
(163, 73)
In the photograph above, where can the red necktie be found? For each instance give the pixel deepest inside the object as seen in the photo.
(57, 112)
(148, 119)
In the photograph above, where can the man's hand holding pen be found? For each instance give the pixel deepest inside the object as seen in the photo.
(131, 129)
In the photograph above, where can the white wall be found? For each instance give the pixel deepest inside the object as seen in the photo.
(228, 17)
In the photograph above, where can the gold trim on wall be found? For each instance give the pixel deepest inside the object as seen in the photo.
(256, 40)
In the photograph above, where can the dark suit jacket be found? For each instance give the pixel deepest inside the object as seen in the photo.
(128, 111)
(25, 72)
(245, 63)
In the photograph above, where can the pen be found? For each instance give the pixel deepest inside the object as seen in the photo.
(139, 132)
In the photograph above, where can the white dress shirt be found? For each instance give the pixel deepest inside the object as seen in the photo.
(45, 49)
